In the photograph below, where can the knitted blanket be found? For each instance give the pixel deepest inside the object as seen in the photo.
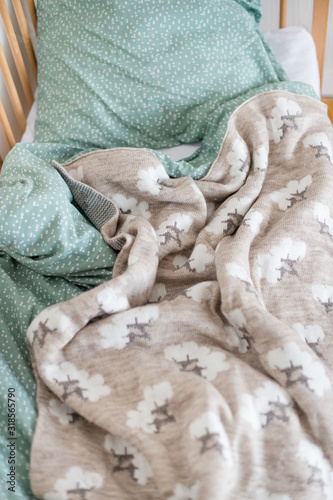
(203, 369)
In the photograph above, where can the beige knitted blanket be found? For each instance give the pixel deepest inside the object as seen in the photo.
(203, 369)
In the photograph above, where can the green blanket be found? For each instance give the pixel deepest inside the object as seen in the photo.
(49, 252)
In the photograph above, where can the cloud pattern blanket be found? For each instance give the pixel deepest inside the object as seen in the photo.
(203, 369)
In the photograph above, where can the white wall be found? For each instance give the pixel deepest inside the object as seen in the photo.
(300, 14)
(328, 70)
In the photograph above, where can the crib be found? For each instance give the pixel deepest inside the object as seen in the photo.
(27, 66)
(166, 232)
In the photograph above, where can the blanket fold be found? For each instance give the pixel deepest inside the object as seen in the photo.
(203, 369)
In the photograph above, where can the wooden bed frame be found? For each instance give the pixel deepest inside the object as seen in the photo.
(319, 30)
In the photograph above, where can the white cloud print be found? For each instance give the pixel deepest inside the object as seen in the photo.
(75, 482)
(149, 180)
(299, 367)
(75, 382)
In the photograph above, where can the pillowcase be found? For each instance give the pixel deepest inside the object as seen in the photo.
(144, 73)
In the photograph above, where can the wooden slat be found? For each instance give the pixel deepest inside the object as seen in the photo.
(32, 10)
(283, 13)
(6, 127)
(329, 103)
(319, 31)
(16, 52)
(14, 97)
(25, 35)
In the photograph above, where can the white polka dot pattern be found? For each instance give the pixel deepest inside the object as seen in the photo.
(49, 253)
(144, 73)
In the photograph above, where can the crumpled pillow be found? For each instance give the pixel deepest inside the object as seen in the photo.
(144, 73)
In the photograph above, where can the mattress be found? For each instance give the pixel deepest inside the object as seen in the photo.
(292, 46)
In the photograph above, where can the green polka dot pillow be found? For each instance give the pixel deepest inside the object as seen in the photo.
(144, 73)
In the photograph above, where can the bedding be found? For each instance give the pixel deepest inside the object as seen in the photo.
(144, 74)
(49, 252)
(210, 347)
(291, 46)
(219, 308)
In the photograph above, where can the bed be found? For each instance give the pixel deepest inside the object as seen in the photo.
(166, 260)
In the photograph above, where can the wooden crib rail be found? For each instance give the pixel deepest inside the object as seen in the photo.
(319, 27)
(11, 87)
(25, 63)
(17, 55)
(25, 35)
(283, 13)
(319, 31)
(32, 10)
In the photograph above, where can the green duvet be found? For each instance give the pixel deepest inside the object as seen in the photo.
(49, 252)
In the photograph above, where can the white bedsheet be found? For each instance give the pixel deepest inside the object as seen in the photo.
(294, 49)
